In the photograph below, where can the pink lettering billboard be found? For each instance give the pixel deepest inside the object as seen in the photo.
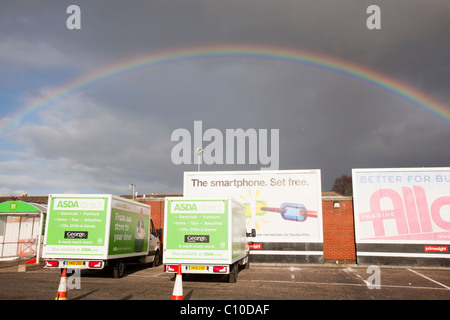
(407, 205)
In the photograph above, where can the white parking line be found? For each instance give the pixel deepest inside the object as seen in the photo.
(146, 276)
(437, 282)
(349, 270)
(337, 284)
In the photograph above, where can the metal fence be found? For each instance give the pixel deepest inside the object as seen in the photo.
(19, 235)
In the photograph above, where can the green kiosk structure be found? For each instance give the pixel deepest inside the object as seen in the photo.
(21, 226)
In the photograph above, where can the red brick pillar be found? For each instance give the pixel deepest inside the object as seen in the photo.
(338, 230)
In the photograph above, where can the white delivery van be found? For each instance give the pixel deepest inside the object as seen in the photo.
(93, 231)
(205, 236)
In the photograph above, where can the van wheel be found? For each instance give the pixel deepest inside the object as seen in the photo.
(156, 261)
(245, 265)
(232, 277)
(119, 269)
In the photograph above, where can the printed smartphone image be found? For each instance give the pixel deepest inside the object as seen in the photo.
(292, 211)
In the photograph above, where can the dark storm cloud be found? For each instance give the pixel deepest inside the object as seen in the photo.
(117, 131)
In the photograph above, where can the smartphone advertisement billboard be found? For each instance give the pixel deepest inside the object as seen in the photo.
(284, 206)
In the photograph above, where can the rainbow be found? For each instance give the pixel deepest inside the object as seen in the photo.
(384, 82)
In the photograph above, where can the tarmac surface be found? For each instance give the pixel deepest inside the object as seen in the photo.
(264, 282)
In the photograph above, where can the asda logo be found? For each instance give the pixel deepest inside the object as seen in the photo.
(78, 204)
(185, 207)
(67, 204)
(197, 207)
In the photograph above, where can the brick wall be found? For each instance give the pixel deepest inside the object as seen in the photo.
(338, 230)
(157, 211)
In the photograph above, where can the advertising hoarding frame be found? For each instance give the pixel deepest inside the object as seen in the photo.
(279, 245)
(399, 214)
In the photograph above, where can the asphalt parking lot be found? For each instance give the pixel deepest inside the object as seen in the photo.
(260, 282)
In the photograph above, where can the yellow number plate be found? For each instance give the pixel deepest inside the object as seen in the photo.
(75, 263)
(198, 268)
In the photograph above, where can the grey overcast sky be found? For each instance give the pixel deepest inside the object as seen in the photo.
(102, 136)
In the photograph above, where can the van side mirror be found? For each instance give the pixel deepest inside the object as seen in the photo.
(160, 232)
(251, 234)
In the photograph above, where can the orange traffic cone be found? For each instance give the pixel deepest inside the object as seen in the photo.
(178, 288)
(31, 261)
(62, 289)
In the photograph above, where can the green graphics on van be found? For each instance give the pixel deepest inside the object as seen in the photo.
(97, 227)
(129, 228)
(77, 225)
(198, 229)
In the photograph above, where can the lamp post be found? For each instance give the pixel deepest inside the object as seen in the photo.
(132, 186)
(199, 154)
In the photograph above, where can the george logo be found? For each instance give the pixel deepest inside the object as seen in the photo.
(196, 239)
(75, 234)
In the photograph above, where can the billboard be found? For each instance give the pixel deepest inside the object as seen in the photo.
(284, 206)
(402, 212)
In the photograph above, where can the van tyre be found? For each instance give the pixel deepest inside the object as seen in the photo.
(119, 269)
(156, 260)
(245, 263)
(232, 277)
